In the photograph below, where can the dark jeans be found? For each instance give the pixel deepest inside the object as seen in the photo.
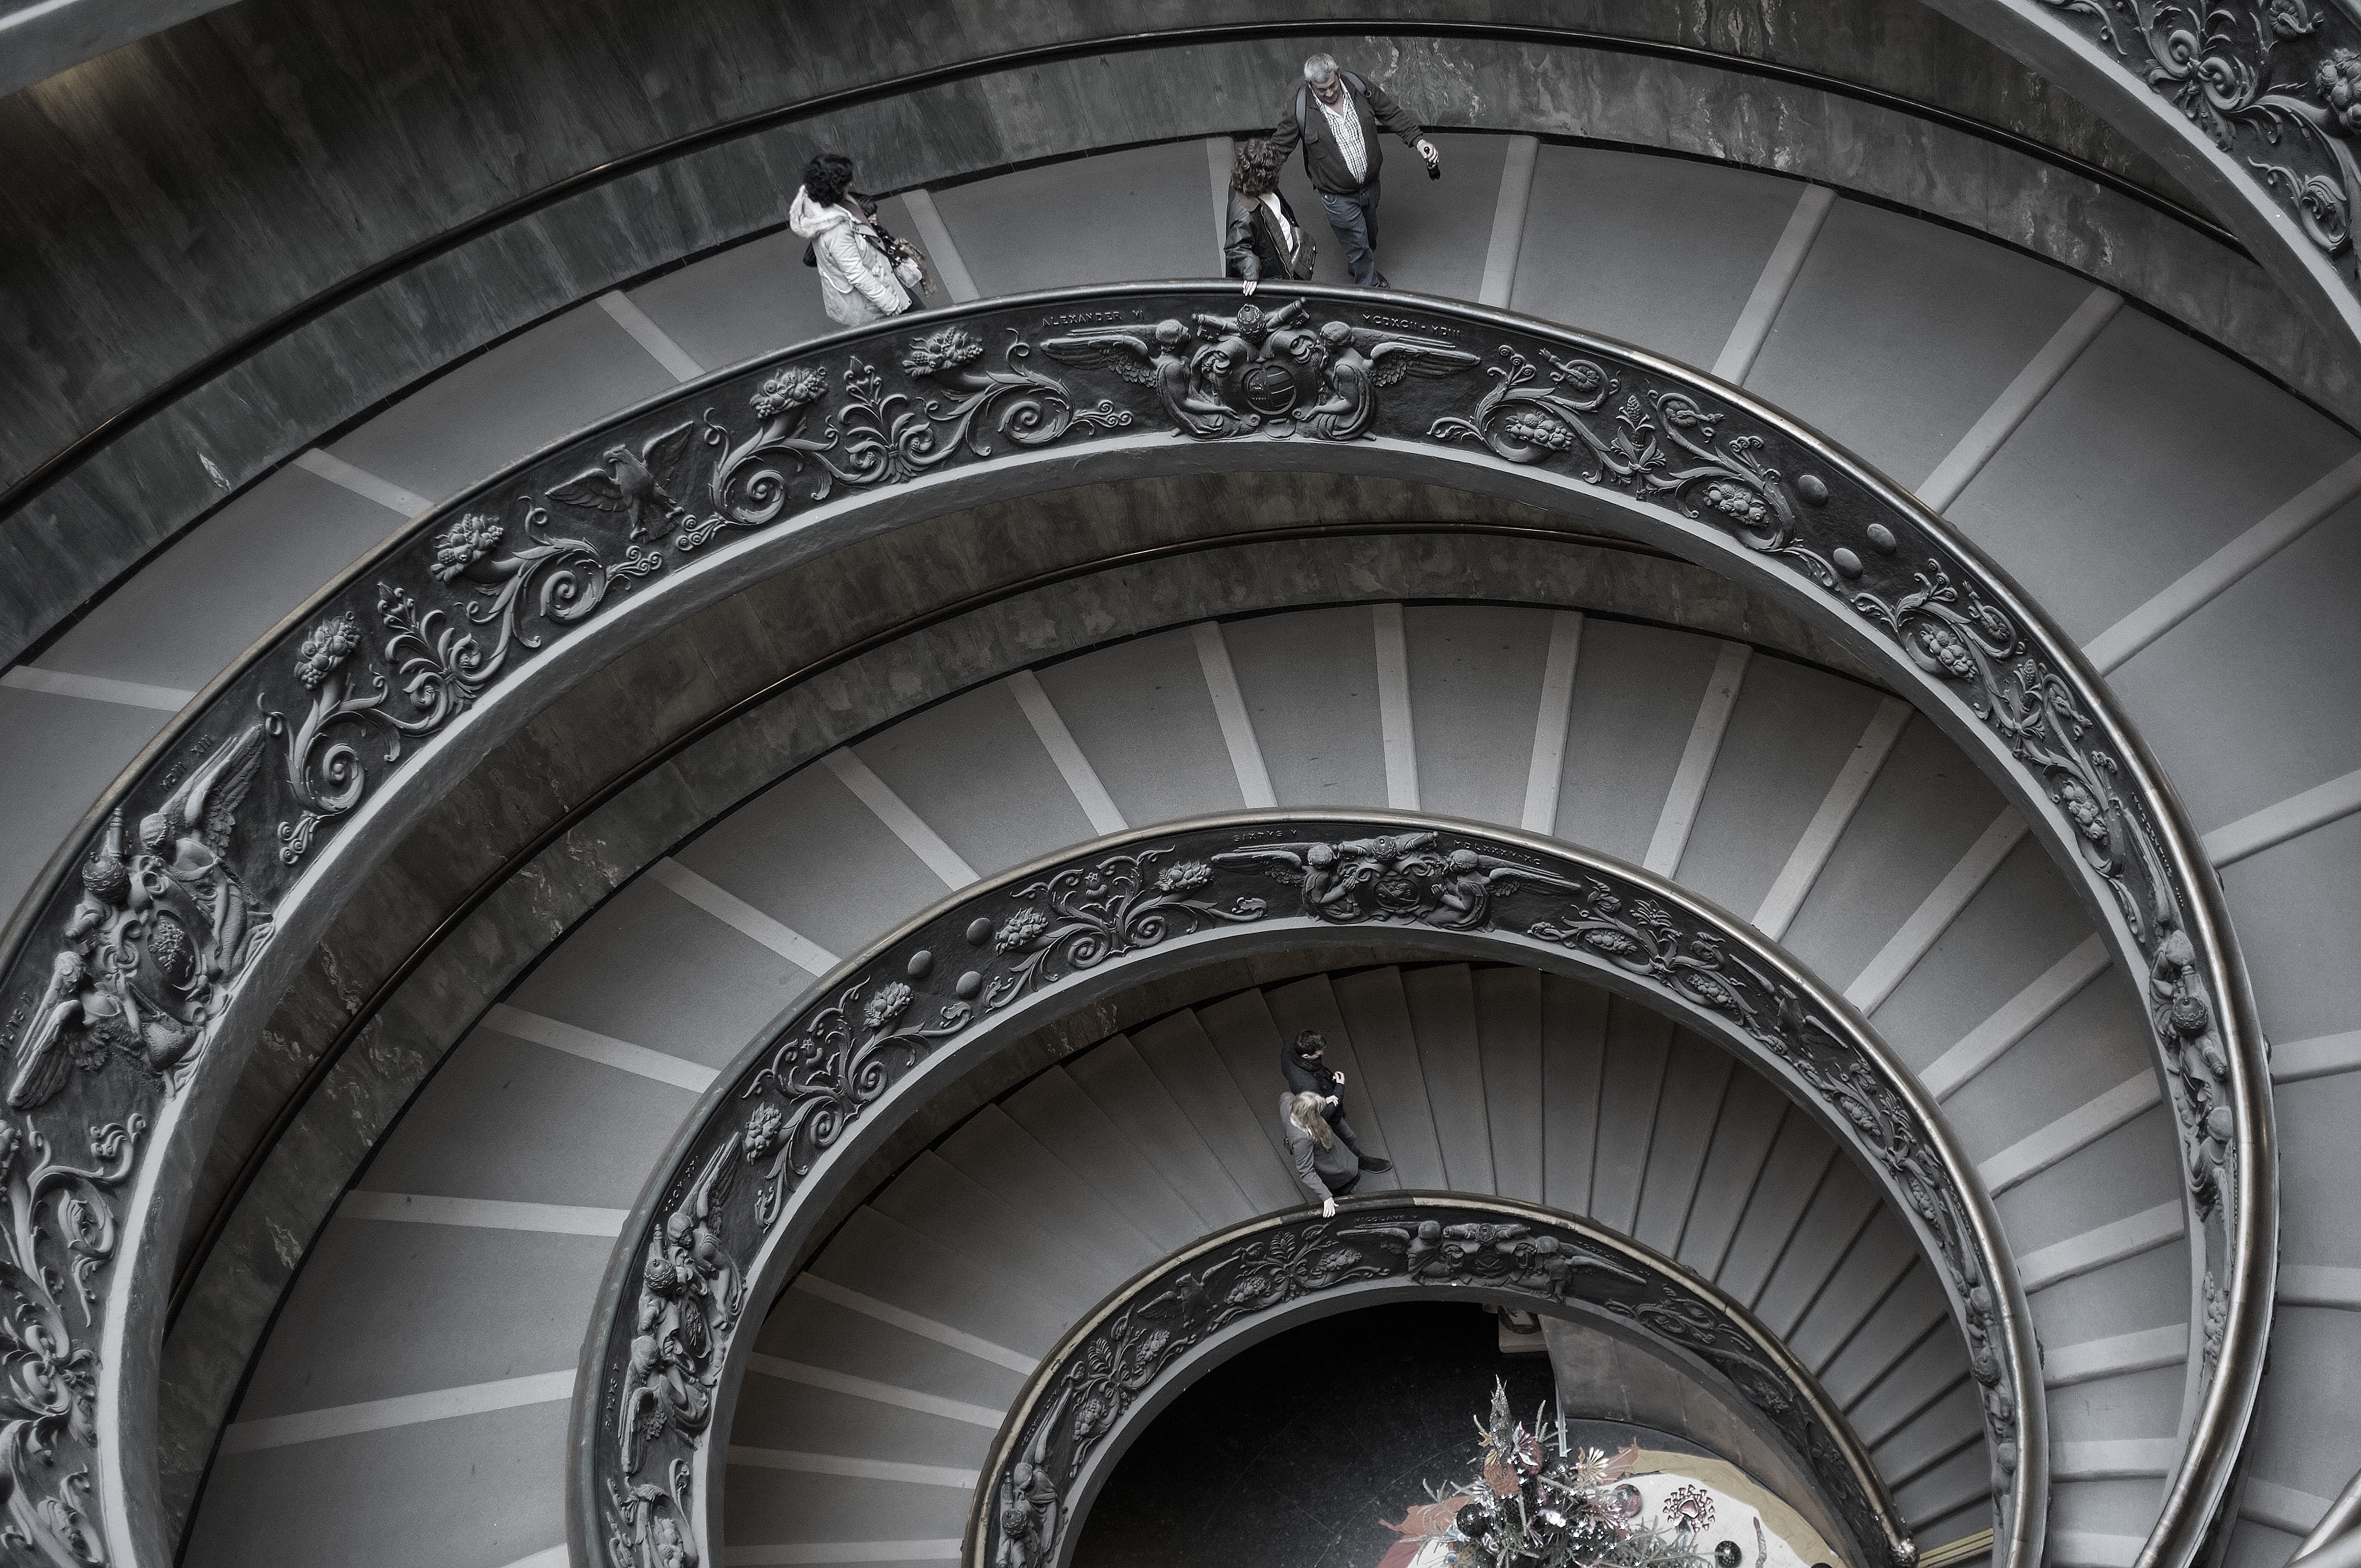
(1355, 219)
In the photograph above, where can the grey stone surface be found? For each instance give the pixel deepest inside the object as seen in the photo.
(186, 616)
(492, 1484)
(2251, 700)
(61, 754)
(1003, 804)
(2196, 449)
(1310, 684)
(1672, 269)
(426, 1307)
(1792, 729)
(1620, 756)
(2020, 923)
(1140, 711)
(519, 396)
(1476, 688)
(1899, 334)
(1924, 809)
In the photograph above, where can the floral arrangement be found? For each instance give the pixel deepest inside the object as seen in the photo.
(1536, 1503)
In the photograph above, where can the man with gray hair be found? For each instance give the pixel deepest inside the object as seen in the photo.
(1336, 117)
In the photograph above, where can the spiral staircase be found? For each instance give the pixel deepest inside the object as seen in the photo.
(405, 1386)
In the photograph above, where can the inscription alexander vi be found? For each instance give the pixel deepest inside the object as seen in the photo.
(1084, 318)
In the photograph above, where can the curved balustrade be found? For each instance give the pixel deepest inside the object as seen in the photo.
(2255, 108)
(143, 966)
(774, 1141)
(1123, 1363)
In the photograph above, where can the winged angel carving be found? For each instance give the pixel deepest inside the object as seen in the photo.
(161, 929)
(1262, 370)
(1395, 876)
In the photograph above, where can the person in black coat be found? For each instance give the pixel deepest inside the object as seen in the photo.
(1264, 239)
(1304, 1066)
(1336, 117)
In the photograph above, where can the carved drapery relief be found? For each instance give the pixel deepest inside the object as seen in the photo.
(1088, 1385)
(658, 1380)
(243, 792)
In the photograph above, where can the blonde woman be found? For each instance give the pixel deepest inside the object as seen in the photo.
(1324, 1168)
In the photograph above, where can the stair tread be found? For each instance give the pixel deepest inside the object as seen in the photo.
(803, 1327)
(1062, 1118)
(1639, 1046)
(1441, 1002)
(1376, 1019)
(1185, 1060)
(1688, 1116)
(999, 1156)
(1122, 1085)
(880, 1257)
(1752, 1113)
(1509, 1031)
(1574, 1050)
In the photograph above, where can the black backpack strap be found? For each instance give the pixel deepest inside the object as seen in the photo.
(1303, 130)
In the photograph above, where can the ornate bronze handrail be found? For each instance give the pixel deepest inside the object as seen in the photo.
(1091, 1394)
(140, 973)
(775, 1138)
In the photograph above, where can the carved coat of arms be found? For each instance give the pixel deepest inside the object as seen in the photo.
(1262, 370)
(163, 927)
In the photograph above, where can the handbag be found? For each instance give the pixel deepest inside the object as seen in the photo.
(1306, 256)
(907, 262)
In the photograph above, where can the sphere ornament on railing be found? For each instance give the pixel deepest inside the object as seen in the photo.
(121, 966)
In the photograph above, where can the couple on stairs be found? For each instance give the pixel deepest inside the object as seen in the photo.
(1327, 1157)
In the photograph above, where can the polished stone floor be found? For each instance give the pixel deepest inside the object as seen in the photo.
(1297, 1452)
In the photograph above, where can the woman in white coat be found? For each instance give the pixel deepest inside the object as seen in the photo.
(865, 274)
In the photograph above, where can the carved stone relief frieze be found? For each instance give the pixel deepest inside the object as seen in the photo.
(124, 958)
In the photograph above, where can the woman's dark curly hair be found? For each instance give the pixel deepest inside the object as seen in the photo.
(828, 177)
(1255, 172)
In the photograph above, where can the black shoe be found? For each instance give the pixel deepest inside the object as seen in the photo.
(1370, 1162)
(1382, 281)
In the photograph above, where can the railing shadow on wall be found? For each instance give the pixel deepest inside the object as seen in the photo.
(141, 967)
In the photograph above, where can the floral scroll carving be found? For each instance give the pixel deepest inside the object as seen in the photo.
(2274, 83)
(835, 1062)
(1084, 1388)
